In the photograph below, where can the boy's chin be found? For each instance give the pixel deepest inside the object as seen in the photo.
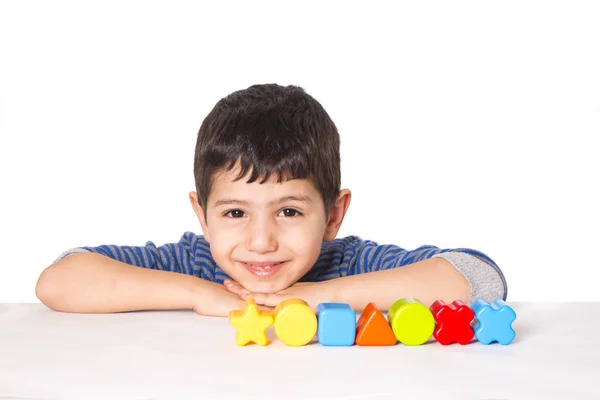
(265, 286)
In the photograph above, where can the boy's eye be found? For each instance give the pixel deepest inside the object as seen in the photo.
(290, 212)
(235, 214)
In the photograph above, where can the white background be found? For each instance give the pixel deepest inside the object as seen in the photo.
(463, 124)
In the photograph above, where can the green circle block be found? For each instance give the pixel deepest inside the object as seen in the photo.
(412, 322)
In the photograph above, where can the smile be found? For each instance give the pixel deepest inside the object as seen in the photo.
(264, 270)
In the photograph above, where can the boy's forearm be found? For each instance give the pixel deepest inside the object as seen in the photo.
(427, 280)
(93, 283)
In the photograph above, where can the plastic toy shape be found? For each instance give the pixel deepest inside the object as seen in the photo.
(251, 324)
(337, 324)
(412, 322)
(373, 329)
(494, 321)
(453, 322)
(295, 323)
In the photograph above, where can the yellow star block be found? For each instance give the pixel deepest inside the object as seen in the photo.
(251, 324)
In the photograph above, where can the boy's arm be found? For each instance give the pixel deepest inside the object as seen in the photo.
(358, 272)
(428, 273)
(112, 278)
(94, 283)
(427, 280)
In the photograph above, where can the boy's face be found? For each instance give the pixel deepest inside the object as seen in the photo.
(266, 236)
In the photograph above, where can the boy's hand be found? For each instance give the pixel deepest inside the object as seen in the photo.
(214, 300)
(211, 299)
(311, 292)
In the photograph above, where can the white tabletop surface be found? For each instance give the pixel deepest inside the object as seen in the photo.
(179, 355)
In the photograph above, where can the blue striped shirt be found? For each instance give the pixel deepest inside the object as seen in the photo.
(341, 257)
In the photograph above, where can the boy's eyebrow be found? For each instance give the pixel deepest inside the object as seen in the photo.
(225, 201)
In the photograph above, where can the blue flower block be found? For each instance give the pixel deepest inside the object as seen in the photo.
(494, 321)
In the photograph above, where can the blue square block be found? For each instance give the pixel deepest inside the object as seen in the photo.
(337, 324)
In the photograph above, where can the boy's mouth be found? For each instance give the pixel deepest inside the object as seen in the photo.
(264, 270)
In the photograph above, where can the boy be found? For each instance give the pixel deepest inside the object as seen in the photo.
(268, 199)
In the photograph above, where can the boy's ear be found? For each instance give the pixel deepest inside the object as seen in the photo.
(199, 211)
(336, 214)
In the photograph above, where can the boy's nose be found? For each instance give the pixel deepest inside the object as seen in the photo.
(262, 237)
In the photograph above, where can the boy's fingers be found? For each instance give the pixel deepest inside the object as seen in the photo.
(235, 288)
(231, 290)
(267, 299)
(230, 287)
(229, 283)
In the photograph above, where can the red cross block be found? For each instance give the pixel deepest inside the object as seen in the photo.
(453, 322)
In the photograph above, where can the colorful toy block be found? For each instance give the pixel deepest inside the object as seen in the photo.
(494, 321)
(412, 322)
(408, 321)
(295, 323)
(453, 322)
(251, 324)
(373, 329)
(336, 324)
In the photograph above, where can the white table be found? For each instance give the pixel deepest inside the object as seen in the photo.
(178, 354)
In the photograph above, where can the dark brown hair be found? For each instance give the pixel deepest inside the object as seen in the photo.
(270, 129)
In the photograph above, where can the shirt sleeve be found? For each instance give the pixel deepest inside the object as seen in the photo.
(191, 255)
(485, 278)
(354, 256)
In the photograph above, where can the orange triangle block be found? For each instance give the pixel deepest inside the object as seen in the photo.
(372, 329)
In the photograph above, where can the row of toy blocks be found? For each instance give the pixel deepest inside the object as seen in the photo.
(409, 322)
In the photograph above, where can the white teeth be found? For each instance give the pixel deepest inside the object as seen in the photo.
(263, 267)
